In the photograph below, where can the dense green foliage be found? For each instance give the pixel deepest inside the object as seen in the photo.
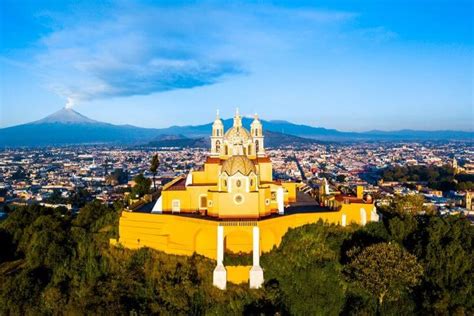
(385, 270)
(141, 187)
(305, 272)
(439, 178)
(117, 176)
(412, 204)
(55, 263)
(237, 259)
(77, 199)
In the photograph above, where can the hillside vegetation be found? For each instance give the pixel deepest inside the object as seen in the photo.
(53, 263)
(439, 178)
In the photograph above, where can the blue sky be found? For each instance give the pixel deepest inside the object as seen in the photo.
(349, 65)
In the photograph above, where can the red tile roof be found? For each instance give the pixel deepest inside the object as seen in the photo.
(213, 160)
(349, 199)
(179, 185)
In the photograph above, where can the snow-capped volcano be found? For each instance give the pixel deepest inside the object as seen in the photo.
(66, 127)
(66, 116)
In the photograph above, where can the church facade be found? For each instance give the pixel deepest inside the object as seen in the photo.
(236, 181)
(233, 205)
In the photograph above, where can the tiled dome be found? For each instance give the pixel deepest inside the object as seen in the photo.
(238, 164)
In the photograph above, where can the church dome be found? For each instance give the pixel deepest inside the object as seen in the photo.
(237, 133)
(240, 164)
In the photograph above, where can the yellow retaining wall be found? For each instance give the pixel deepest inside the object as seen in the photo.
(238, 274)
(169, 233)
(272, 230)
(184, 235)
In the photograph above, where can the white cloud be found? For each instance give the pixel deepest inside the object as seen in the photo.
(137, 50)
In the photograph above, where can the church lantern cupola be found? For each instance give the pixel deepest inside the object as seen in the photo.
(237, 119)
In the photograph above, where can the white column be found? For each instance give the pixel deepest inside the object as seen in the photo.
(220, 274)
(374, 217)
(256, 273)
(256, 246)
(363, 216)
(220, 245)
(280, 200)
(343, 220)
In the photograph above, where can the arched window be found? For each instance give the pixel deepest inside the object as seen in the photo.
(256, 132)
(218, 146)
(226, 150)
(257, 146)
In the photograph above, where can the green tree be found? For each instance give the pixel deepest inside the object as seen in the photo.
(141, 187)
(118, 176)
(384, 270)
(402, 227)
(56, 197)
(445, 248)
(409, 205)
(439, 178)
(80, 197)
(155, 163)
(54, 263)
(304, 273)
(95, 217)
(7, 247)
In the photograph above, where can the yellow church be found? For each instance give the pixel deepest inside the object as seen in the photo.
(233, 205)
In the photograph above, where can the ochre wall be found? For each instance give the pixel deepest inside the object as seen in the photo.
(208, 175)
(247, 209)
(169, 233)
(184, 235)
(182, 196)
(238, 274)
(290, 195)
(265, 171)
(272, 230)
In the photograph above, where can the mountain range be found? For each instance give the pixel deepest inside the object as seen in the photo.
(66, 127)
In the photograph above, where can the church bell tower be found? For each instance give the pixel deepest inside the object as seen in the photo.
(256, 131)
(217, 136)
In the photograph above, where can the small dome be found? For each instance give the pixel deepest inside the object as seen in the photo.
(217, 121)
(238, 164)
(256, 122)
